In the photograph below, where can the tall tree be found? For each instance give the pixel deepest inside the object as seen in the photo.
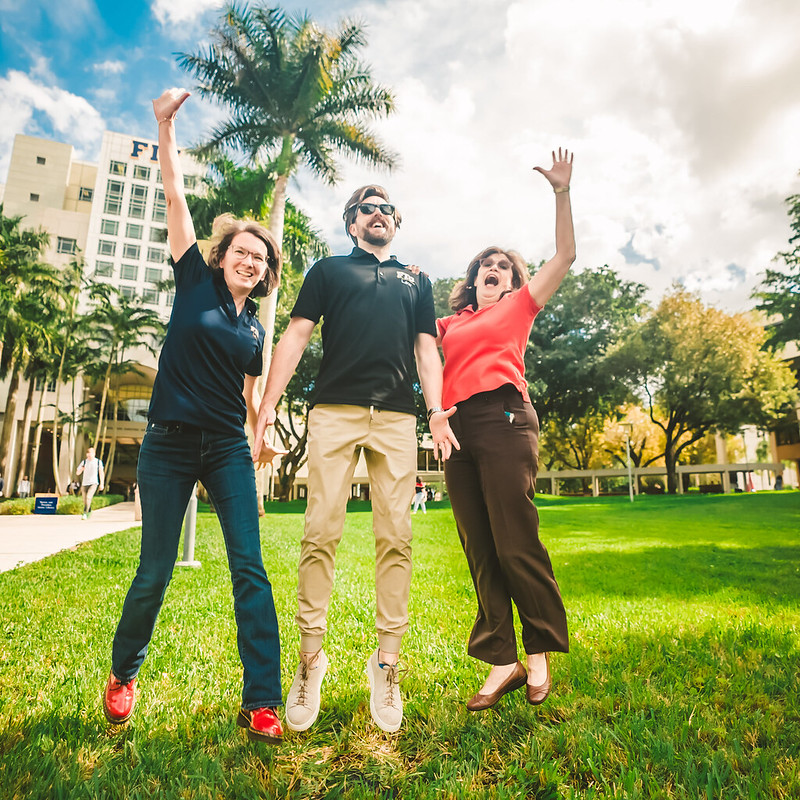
(117, 325)
(566, 362)
(779, 294)
(699, 370)
(296, 94)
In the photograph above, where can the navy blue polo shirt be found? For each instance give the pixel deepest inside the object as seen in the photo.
(207, 351)
(372, 312)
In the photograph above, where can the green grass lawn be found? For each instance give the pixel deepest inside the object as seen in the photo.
(682, 680)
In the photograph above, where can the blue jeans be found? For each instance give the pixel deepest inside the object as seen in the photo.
(172, 458)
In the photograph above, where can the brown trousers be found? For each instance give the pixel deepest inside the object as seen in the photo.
(491, 483)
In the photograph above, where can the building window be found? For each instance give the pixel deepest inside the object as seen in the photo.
(129, 272)
(34, 197)
(65, 245)
(137, 202)
(127, 292)
(158, 234)
(106, 247)
(141, 173)
(109, 227)
(169, 298)
(160, 207)
(152, 275)
(41, 160)
(114, 191)
(103, 269)
(131, 251)
(189, 182)
(117, 168)
(86, 194)
(134, 231)
(158, 176)
(155, 255)
(150, 296)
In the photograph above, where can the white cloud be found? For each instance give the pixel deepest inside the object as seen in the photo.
(22, 97)
(683, 118)
(110, 67)
(180, 12)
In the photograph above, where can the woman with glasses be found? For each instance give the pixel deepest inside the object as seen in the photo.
(203, 392)
(491, 479)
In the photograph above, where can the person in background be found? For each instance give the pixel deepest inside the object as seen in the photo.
(93, 476)
(203, 392)
(24, 487)
(492, 478)
(420, 494)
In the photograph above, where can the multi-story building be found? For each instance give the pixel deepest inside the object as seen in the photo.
(113, 214)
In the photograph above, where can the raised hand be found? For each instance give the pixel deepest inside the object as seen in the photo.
(166, 106)
(560, 173)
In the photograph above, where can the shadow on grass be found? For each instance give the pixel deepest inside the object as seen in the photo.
(684, 572)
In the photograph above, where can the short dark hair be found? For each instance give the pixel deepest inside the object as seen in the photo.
(464, 293)
(351, 206)
(225, 228)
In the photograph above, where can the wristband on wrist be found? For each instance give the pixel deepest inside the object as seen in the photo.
(434, 410)
(561, 189)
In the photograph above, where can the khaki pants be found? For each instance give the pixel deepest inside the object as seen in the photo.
(336, 436)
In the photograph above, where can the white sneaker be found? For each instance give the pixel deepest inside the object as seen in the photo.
(385, 703)
(302, 702)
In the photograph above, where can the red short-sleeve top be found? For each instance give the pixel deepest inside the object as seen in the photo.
(485, 349)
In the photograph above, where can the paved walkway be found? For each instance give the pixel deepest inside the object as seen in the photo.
(30, 537)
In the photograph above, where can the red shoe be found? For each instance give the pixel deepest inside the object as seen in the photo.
(262, 724)
(119, 699)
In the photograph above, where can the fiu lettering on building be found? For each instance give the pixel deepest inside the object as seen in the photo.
(138, 148)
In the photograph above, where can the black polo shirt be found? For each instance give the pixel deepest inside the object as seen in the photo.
(372, 312)
(207, 351)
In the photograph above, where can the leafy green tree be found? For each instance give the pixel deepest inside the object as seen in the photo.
(700, 370)
(117, 325)
(566, 361)
(245, 192)
(779, 294)
(296, 94)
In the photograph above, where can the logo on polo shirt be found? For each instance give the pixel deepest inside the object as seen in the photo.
(254, 331)
(408, 280)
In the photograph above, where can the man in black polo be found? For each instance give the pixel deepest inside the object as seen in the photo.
(378, 316)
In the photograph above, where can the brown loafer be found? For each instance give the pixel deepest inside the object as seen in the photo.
(480, 702)
(538, 694)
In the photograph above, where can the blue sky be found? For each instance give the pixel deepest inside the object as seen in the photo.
(684, 117)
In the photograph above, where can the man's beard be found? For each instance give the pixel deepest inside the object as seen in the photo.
(378, 239)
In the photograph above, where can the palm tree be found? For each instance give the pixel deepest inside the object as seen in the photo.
(245, 192)
(117, 325)
(297, 94)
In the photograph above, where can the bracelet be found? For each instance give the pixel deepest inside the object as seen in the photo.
(434, 410)
(561, 189)
(166, 119)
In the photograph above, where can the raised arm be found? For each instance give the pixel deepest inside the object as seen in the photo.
(548, 278)
(287, 355)
(180, 228)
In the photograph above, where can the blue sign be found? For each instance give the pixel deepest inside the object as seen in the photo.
(45, 505)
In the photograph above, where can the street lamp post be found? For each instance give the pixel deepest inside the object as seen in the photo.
(628, 427)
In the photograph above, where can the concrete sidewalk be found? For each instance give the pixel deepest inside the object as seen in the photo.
(30, 537)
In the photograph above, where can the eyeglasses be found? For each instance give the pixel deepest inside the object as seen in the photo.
(387, 209)
(242, 254)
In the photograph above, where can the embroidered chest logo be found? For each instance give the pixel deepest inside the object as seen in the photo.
(254, 331)
(408, 280)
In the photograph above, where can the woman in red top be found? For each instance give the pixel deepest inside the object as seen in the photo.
(491, 479)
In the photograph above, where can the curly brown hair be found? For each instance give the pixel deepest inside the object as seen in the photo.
(225, 228)
(464, 293)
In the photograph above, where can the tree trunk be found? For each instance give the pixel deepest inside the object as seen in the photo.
(26, 433)
(113, 449)
(37, 438)
(104, 396)
(8, 424)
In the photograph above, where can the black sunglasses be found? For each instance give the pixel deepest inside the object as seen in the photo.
(369, 208)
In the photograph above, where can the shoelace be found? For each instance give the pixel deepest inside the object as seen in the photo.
(301, 695)
(393, 679)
